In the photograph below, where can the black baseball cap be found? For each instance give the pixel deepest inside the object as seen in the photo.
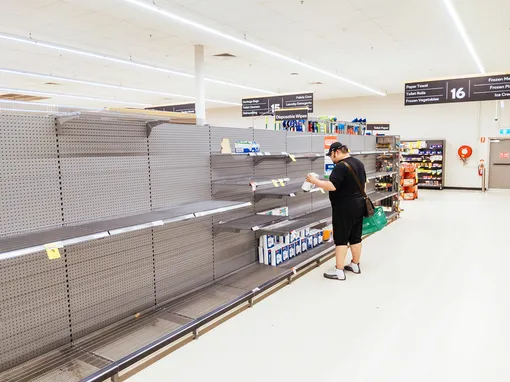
(334, 147)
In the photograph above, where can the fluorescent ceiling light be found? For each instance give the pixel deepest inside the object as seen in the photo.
(153, 8)
(463, 33)
(24, 91)
(125, 62)
(85, 82)
(40, 103)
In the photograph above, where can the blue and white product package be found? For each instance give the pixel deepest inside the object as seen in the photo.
(304, 245)
(267, 241)
(294, 235)
(307, 232)
(246, 147)
(285, 252)
(292, 250)
(261, 255)
(269, 255)
(277, 259)
(321, 237)
(315, 236)
(309, 242)
(283, 240)
(298, 247)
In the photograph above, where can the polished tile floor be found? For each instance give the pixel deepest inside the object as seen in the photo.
(432, 304)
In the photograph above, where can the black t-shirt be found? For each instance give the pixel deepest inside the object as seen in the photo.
(346, 186)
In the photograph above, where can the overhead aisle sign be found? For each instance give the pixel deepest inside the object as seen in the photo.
(484, 88)
(378, 126)
(291, 114)
(180, 108)
(253, 107)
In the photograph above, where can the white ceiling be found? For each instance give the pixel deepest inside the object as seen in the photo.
(380, 44)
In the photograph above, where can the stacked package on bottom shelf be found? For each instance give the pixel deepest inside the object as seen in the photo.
(408, 181)
(275, 250)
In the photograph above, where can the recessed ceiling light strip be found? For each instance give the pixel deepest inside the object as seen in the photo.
(40, 103)
(93, 83)
(462, 30)
(125, 62)
(71, 96)
(153, 8)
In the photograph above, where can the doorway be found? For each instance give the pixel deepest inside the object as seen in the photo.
(499, 164)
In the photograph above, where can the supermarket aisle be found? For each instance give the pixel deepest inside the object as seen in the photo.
(431, 305)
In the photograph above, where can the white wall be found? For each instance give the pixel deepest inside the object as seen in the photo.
(459, 124)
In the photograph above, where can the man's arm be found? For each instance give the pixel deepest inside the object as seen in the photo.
(326, 185)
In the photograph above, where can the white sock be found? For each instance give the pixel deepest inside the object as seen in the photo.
(355, 267)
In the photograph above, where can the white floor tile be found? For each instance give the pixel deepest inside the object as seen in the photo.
(432, 304)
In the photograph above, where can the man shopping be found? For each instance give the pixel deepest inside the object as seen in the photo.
(349, 208)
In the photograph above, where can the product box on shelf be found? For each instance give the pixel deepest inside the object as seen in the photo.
(267, 241)
(292, 250)
(304, 245)
(298, 247)
(309, 242)
(277, 259)
(285, 252)
(246, 147)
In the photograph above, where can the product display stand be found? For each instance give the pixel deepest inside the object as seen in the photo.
(121, 242)
(429, 156)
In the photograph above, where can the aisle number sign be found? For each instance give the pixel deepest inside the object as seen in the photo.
(328, 163)
(469, 89)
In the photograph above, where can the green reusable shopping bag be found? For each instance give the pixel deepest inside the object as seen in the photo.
(374, 223)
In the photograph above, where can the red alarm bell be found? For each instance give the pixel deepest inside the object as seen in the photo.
(465, 152)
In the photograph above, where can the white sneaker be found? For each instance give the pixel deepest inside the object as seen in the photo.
(353, 267)
(335, 274)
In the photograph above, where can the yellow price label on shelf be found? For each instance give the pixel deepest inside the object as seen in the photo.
(52, 251)
(292, 157)
(282, 183)
(275, 183)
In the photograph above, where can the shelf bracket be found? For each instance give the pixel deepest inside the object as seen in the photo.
(151, 125)
(63, 119)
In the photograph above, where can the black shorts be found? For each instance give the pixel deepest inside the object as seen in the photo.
(347, 226)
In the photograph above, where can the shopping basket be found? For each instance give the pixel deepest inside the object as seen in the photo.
(375, 223)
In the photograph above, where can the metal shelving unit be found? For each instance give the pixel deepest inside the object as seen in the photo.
(105, 306)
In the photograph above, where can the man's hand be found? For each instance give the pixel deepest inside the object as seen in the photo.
(312, 179)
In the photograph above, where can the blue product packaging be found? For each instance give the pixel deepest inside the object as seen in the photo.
(298, 246)
(285, 253)
(267, 241)
(269, 255)
(261, 255)
(321, 237)
(309, 242)
(292, 250)
(304, 245)
(277, 258)
(315, 238)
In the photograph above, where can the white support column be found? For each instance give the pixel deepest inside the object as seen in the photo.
(199, 85)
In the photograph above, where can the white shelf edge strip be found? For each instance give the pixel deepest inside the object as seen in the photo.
(222, 209)
(113, 232)
(59, 244)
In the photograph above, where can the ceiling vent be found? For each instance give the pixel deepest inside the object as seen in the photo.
(22, 97)
(224, 55)
(52, 83)
(316, 83)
